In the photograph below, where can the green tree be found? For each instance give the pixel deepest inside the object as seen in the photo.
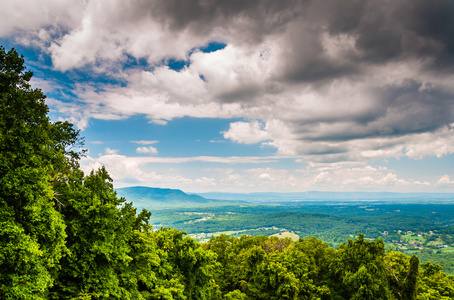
(261, 267)
(235, 295)
(221, 246)
(359, 271)
(33, 231)
(398, 265)
(188, 263)
(410, 283)
(99, 227)
(150, 275)
(434, 284)
(320, 256)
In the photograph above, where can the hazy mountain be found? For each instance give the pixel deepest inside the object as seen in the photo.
(135, 193)
(158, 198)
(331, 196)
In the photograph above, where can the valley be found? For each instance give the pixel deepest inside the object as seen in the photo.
(419, 226)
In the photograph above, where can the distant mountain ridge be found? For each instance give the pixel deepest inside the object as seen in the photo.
(165, 198)
(330, 196)
(152, 198)
(143, 193)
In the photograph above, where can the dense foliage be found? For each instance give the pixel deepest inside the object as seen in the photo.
(66, 235)
(422, 229)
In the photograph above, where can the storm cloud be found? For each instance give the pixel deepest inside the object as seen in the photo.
(329, 81)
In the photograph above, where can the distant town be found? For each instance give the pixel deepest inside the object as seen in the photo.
(409, 240)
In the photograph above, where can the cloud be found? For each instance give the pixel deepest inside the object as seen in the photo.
(147, 150)
(324, 81)
(205, 181)
(127, 171)
(40, 19)
(142, 142)
(445, 180)
(136, 170)
(162, 171)
(382, 180)
(111, 151)
(266, 176)
(246, 133)
(315, 41)
(180, 160)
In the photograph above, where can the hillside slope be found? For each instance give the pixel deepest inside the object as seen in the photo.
(158, 198)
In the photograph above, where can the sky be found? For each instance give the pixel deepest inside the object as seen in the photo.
(249, 96)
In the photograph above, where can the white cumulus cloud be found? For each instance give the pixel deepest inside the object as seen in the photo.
(445, 180)
(147, 150)
(111, 151)
(246, 132)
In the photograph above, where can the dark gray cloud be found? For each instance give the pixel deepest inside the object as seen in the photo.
(397, 30)
(399, 111)
(430, 26)
(382, 32)
(254, 18)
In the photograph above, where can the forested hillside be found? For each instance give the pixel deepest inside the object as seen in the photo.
(67, 235)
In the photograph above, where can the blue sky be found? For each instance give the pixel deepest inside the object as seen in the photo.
(246, 97)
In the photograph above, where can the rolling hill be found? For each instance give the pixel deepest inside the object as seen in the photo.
(158, 198)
